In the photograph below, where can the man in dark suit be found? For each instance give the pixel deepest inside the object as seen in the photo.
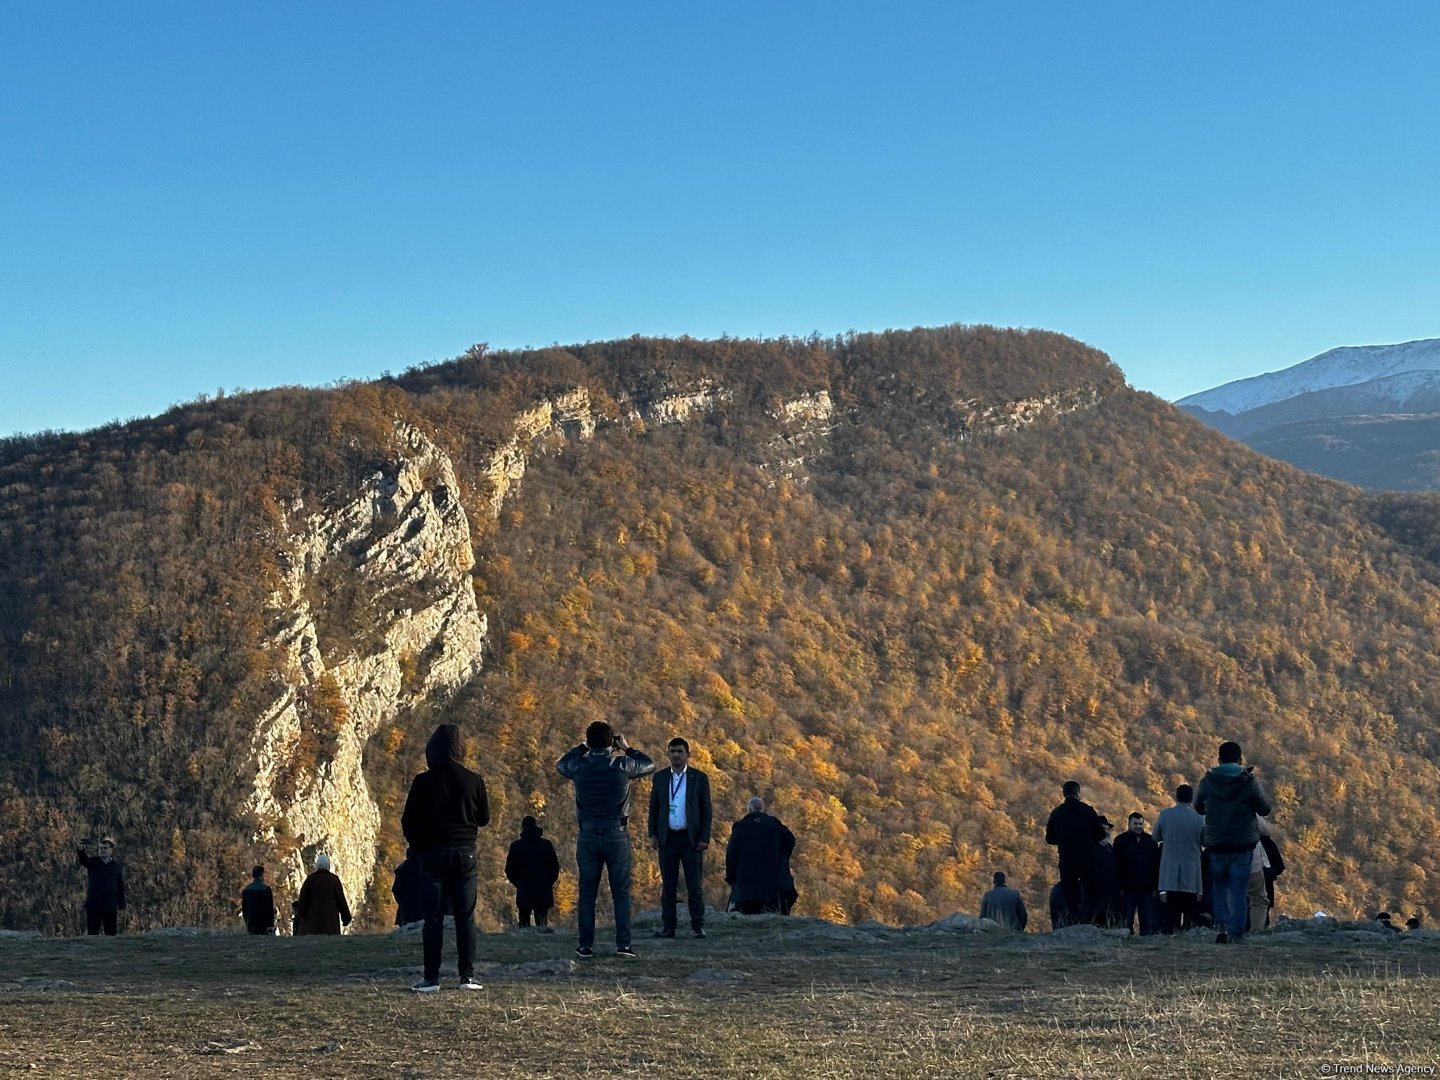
(105, 889)
(1074, 828)
(679, 827)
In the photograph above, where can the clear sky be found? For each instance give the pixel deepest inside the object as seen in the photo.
(207, 194)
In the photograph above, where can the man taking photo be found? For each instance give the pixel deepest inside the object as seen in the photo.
(601, 768)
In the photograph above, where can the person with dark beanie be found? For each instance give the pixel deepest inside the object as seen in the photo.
(531, 866)
(1004, 905)
(445, 808)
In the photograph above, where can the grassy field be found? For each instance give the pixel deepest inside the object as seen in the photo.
(760, 998)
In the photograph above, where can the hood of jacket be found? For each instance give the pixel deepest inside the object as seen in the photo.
(444, 746)
(1228, 777)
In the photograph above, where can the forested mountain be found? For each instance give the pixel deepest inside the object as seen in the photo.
(901, 585)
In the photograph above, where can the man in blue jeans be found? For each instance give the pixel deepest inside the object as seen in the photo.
(601, 769)
(443, 811)
(1229, 797)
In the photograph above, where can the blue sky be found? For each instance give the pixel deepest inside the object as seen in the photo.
(202, 195)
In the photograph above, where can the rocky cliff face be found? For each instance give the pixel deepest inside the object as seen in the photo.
(403, 542)
(406, 538)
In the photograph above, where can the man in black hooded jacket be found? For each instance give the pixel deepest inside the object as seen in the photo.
(445, 808)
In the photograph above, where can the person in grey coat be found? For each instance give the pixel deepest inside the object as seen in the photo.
(1180, 832)
(1004, 905)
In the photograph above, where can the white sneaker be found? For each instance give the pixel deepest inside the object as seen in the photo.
(471, 983)
(425, 986)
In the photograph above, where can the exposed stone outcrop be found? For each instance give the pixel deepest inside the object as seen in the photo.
(406, 538)
(806, 424)
(573, 416)
(809, 421)
(676, 408)
(1014, 415)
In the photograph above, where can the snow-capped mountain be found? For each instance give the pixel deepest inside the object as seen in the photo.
(1369, 415)
(1378, 367)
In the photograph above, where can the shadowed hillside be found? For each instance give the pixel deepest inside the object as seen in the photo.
(901, 585)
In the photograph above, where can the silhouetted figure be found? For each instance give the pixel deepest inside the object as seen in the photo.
(444, 809)
(1004, 905)
(1179, 832)
(408, 891)
(1060, 914)
(533, 868)
(321, 906)
(1383, 919)
(756, 859)
(1412, 923)
(1105, 905)
(1137, 869)
(104, 888)
(1074, 829)
(1274, 867)
(257, 904)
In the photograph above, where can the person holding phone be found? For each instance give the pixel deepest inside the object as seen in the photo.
(105, 887)
(602, 768)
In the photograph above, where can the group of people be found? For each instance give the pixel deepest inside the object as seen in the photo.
(1213, 845)
(1211, 859)
(321, 907)
(447, 805)
(1211, 862)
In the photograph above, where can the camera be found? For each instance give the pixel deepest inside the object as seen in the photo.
(615, 741)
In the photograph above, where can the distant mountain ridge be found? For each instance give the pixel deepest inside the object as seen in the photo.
(1308, 414)
(1347, 366)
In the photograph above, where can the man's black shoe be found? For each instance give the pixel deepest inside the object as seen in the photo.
(1222, 938)
(585, 952)
(699, 933)
(626, 952)
(664, 933)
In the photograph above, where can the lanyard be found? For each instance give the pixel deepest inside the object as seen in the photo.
(675, 784)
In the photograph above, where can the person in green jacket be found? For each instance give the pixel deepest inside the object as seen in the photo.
(1229, 797)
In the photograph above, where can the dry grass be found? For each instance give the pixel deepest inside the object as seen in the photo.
(760, 998)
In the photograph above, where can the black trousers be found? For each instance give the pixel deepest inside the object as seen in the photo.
(448, 880)
(677, 851)
(1080, 884)
(95, 921)
(541, 914)
(1180, 909)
